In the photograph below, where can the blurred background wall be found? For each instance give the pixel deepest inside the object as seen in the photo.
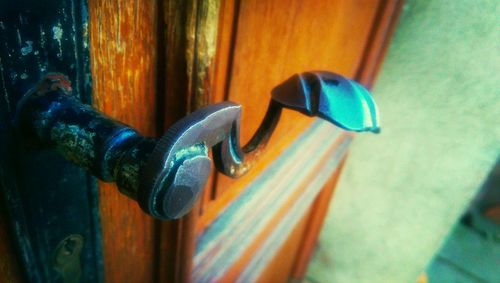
(403, 190)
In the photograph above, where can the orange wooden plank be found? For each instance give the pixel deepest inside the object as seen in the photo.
(123, 60)
(243, 260)
(281, 266)
(314, 225)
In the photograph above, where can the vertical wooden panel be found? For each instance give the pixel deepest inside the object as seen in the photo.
(315, 221)
(173, 62)
(123, 59)
(188, 44)
(228, 21)
(227, 27)
(280, 268)
(294, 202)
(290, 262)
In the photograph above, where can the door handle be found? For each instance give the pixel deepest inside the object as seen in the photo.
(166, 175)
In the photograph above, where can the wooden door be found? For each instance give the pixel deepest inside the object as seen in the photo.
(154, 61)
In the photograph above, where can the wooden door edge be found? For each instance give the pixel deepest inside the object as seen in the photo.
(189, 47)
(315, 224)
(383, 28)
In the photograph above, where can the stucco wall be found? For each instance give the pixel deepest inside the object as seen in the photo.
(402, 190)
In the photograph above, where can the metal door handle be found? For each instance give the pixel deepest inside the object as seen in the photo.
(165, 176)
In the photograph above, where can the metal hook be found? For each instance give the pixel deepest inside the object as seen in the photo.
(167, 175)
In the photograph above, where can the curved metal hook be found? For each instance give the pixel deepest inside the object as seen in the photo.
(329, 96)
(180, 157)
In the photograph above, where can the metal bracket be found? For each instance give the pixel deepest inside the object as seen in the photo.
(52, 202)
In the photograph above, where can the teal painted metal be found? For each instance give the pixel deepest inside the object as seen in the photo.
(52, 203)
(332, 97)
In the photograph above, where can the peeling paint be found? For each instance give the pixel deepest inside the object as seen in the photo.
(28, 48)
(19, 37)
(65, 15)
(75, 49)
(57, 32)
(75, 143)
(42, 38)
(85, 35)
(36, 37)
(4, 88)
(22, 20)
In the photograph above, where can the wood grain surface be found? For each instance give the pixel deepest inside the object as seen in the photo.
(297, 198)
(314, 224)
(282, 265)
(188, 33)
(123, 59)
